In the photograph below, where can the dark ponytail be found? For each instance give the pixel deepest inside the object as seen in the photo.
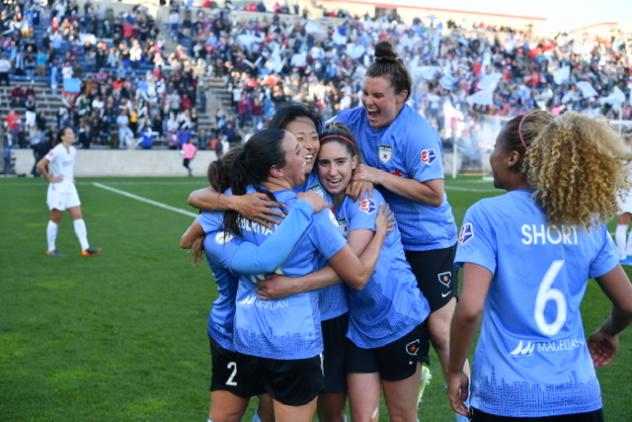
(220, 171)
(390, 66)
(251, 166)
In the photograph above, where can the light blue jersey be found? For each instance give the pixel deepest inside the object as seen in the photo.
(390, 305)
(287, 328)
(226, 254)
(409, 148)
(531, 359)
(332, 300)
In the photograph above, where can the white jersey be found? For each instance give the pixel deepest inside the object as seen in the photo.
(62, 164)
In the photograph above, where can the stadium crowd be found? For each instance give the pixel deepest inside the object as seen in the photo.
(127, 73)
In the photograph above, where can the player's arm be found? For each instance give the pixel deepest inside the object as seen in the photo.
(363, 248)
(603, 344)
(42, 167)
(252, 259)
(191, 234)
(465, 322)
(430, 192)
(254, 206)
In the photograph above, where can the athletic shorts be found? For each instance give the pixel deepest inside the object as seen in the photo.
(395, 361)
(334, 333)
(435, 274)
(62, 199)
(595, 416)
(293, 382)
(235, 372)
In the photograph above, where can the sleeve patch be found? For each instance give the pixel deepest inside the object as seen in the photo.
(427, 156)
(466, 234)
(221, 238)
(367, 206)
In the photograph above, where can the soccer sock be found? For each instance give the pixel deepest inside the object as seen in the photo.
(51, 235)
(619, 238)
(82, 233)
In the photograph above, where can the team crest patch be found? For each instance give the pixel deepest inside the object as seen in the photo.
(222, 238)
(343, 226)
(412, 348)
(367, 206)
(445, 278)
(427, 156)
(466, 234)
(385, 153)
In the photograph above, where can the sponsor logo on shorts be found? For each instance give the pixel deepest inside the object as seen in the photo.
(445, 278)
(427, 156)
(412, 348)
(466, 234)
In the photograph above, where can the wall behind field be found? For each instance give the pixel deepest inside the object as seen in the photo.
(124, 163)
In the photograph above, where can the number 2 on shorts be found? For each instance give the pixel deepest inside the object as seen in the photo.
(231, 379)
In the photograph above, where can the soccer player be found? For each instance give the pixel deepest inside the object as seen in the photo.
(402, 157)
(231, 384)
(285, 335)
(526, 257)
(305, 124)
(387, 335)
(62, 193)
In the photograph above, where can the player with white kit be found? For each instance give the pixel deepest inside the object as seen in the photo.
(58, 167)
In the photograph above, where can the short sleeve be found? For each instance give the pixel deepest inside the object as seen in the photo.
(477, 240)
(325, 234)
(422, 154)
(211, 221)
(362, 214)
(607, 258)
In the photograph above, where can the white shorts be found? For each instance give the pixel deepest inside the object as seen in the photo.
(62, 198)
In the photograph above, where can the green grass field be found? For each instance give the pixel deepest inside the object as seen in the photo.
(122, 336)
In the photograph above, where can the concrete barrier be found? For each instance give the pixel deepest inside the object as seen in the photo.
(124, 162)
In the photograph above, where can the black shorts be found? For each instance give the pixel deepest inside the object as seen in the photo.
(334, 332)
(293, 382)
(395, 361)
(436, 274)
(596, 416)
(234, 372)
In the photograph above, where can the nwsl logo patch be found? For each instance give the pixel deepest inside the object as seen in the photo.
(367, 206)
(466, 234)
(427, 156)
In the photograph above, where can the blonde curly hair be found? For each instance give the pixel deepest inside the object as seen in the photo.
(577, 167)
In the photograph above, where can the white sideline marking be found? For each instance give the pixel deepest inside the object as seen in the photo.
(145, 200)
(463, 189)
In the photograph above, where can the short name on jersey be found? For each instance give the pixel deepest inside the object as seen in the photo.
(542, 234)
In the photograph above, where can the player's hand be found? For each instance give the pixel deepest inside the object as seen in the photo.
(385, 221)
(457, 393)
(259, 208)
(364, 173)
(359, 189)
(277, 286)
(56, 179)
(602, 347)
(315, 200)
